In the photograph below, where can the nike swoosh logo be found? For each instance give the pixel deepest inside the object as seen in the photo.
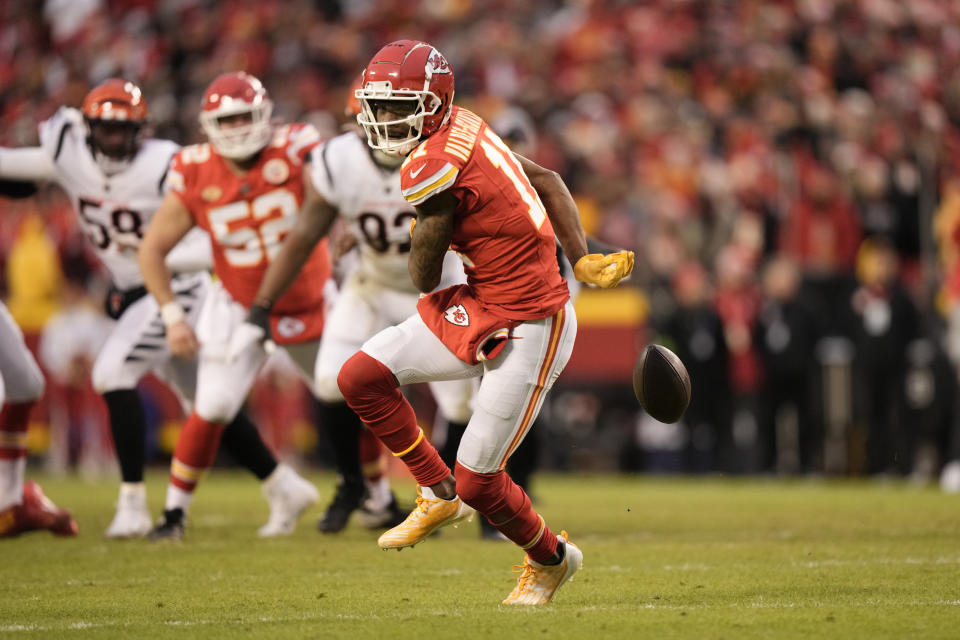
(414, 174)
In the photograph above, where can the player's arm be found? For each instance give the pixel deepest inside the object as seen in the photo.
(22, 169)
(170, 223)
(593, 268)
(430, 240)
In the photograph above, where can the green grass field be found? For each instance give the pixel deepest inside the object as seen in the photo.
(663, 558)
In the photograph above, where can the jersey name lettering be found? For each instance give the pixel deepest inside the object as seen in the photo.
(463, 135)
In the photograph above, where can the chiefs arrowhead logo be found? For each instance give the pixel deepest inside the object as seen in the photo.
(457, 315)
(436, 63)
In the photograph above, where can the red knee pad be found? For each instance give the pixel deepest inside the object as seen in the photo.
(364, 380)
(371, 390)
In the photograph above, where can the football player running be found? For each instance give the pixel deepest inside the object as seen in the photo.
(23, 506)
(362, 186)
(512, 322)
(244, 187)
(116, 179)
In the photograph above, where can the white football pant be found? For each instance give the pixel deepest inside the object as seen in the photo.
(138, 343)
(363, 309)
(222, 386)
(21, 379)
(512, 389)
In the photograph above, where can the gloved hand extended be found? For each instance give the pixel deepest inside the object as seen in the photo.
(604, 270)
(254, 332)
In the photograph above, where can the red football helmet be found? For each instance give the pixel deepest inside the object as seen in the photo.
(115, 112)
(236, 94)
(410, 85)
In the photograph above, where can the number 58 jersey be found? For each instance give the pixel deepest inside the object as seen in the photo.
(114, 210)
(247, 216)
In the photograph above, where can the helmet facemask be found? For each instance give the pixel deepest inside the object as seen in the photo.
(402, 133)
(239, 141)
(114, 143)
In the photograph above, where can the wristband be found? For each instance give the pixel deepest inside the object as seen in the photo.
(172, 313)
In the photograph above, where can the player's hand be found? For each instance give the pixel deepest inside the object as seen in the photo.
(182, 340)
(604, 271)
(253, 333)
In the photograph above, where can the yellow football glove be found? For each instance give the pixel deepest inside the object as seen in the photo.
(604, 271)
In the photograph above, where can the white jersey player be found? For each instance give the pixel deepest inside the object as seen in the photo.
(364, 186)
(116, 180)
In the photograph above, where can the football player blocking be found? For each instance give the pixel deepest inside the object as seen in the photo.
(115, 179)
(244, 187)
(512, 322)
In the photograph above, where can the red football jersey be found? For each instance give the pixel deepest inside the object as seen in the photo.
(248, 216)
(501, 229)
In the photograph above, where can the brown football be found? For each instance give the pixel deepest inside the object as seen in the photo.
(661, 383)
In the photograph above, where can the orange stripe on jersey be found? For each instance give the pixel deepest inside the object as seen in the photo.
(558, 323)
(432, 185)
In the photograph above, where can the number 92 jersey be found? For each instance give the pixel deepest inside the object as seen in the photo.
(248, 216)
(114, 210)
(367, 197)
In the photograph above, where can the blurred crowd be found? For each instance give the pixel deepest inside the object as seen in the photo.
(786, 171)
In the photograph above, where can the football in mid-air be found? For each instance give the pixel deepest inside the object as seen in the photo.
(661, 383)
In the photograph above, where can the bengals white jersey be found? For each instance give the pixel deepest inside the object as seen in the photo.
(114, 211)
(369, 200)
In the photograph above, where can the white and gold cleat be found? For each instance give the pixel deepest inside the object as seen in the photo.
(429, 515)
(538, 582)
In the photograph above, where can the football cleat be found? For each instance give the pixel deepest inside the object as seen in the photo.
(383, 518)
(170, 526)
(346, 500)
(132, 519)
(35, 513)
(289, 497)
(538, 583)
(428, 516)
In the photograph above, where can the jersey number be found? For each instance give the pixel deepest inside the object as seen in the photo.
(122, 221)
(374, 229)
(248, 244)
(502, 158)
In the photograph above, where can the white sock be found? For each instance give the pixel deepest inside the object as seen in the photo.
(177, 498)
(135, 492)
(11, 482)
(380, 494)
(276, 477)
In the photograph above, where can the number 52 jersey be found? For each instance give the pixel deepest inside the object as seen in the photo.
(248, 216)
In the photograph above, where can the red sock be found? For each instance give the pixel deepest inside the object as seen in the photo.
(14, 420)
(372, 392)
(370, 456)
(195, 452)
(508, 508)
